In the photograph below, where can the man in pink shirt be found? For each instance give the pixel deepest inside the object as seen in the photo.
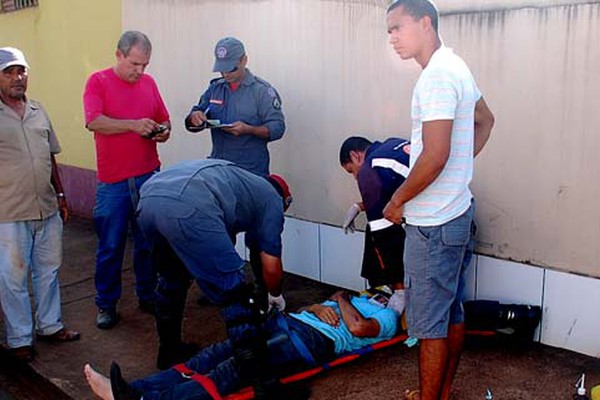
(124, 109)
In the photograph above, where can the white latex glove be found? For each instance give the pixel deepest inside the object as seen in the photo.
(351, 215)
(397, 301)
(276, 301)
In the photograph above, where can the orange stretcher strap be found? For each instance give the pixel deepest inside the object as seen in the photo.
(247, 393)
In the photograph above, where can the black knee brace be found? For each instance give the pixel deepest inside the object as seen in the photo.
(244, 317)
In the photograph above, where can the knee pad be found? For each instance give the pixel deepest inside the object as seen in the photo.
(244, 319)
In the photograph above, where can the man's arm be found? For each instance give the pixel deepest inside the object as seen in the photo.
(484, 121)
(269, 110)
(272, 272)
(58, 188)
(111, 126)
(429, 165)
(358, 325)
(240, 128)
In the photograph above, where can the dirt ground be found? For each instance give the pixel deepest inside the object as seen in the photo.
(533, 373)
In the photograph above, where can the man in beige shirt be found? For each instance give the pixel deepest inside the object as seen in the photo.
(32, 210)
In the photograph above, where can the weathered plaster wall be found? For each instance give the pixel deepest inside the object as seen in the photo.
(536, 63)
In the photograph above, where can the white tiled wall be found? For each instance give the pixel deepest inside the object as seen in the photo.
(301, 254)
(572, 313)
(341, 257)
(509, 282)
(571, 316)
(471, 281)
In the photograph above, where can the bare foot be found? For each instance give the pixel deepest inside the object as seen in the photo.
(99, 383)
(412, 395)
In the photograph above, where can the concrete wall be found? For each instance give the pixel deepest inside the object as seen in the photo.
(535, 61)
(63, 42)
(536, 181)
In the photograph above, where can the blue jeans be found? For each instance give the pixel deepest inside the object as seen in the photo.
(36, 246)
(217, 363)
(113, 214)
(435, 259)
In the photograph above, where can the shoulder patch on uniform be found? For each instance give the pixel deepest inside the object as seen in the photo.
(276, 103)
(275, 96)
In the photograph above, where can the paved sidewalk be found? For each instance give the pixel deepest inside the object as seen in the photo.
(536, 373)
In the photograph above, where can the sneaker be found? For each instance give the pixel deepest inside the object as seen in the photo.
(147, 306)
(107, 318)
(23, 353)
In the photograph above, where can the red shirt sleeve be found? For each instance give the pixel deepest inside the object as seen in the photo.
(93, 99)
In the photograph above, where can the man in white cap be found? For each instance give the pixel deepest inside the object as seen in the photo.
(242, 111)
(32, 210)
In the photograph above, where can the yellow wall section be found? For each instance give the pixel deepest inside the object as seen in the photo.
(64, 41)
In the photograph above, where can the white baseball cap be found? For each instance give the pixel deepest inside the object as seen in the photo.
(10, 56)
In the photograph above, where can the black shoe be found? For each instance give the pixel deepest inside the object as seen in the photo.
(147, 306)
(107, 318)
(119, 387)
(170, 356)
(274, 390)
(23, 353)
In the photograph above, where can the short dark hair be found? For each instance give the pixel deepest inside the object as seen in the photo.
(130, 39)
(417, 9)
(353, 143)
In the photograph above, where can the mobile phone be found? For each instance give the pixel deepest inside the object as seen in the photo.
(160, 129)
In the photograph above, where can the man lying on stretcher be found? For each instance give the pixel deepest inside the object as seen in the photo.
(318, 333)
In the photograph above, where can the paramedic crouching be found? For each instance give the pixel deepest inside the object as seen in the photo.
(296, 341)
(190, 214)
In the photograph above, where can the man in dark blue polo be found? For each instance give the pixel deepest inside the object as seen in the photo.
(242, 111)
(379, 169)
(190, 214)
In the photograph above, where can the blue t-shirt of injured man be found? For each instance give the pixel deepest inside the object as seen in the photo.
(344, 340)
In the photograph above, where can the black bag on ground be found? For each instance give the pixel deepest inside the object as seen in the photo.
(518, 320)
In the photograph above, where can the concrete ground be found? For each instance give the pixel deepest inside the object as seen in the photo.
(537, 372)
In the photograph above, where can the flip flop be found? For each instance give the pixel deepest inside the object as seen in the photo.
(412, 395)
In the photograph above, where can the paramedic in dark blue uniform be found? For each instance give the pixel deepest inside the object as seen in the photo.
(249, 107)
(189, 213)
(379, 169)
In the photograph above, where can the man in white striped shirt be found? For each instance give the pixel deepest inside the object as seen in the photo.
(450, 125)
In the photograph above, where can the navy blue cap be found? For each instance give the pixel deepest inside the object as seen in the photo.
(228, 53)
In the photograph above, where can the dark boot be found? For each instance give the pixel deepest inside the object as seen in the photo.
(171, 355)
(274, 390)
(120, 389)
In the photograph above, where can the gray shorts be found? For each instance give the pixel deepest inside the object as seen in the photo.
(435, 261)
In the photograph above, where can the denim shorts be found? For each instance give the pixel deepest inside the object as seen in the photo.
(435, 260)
